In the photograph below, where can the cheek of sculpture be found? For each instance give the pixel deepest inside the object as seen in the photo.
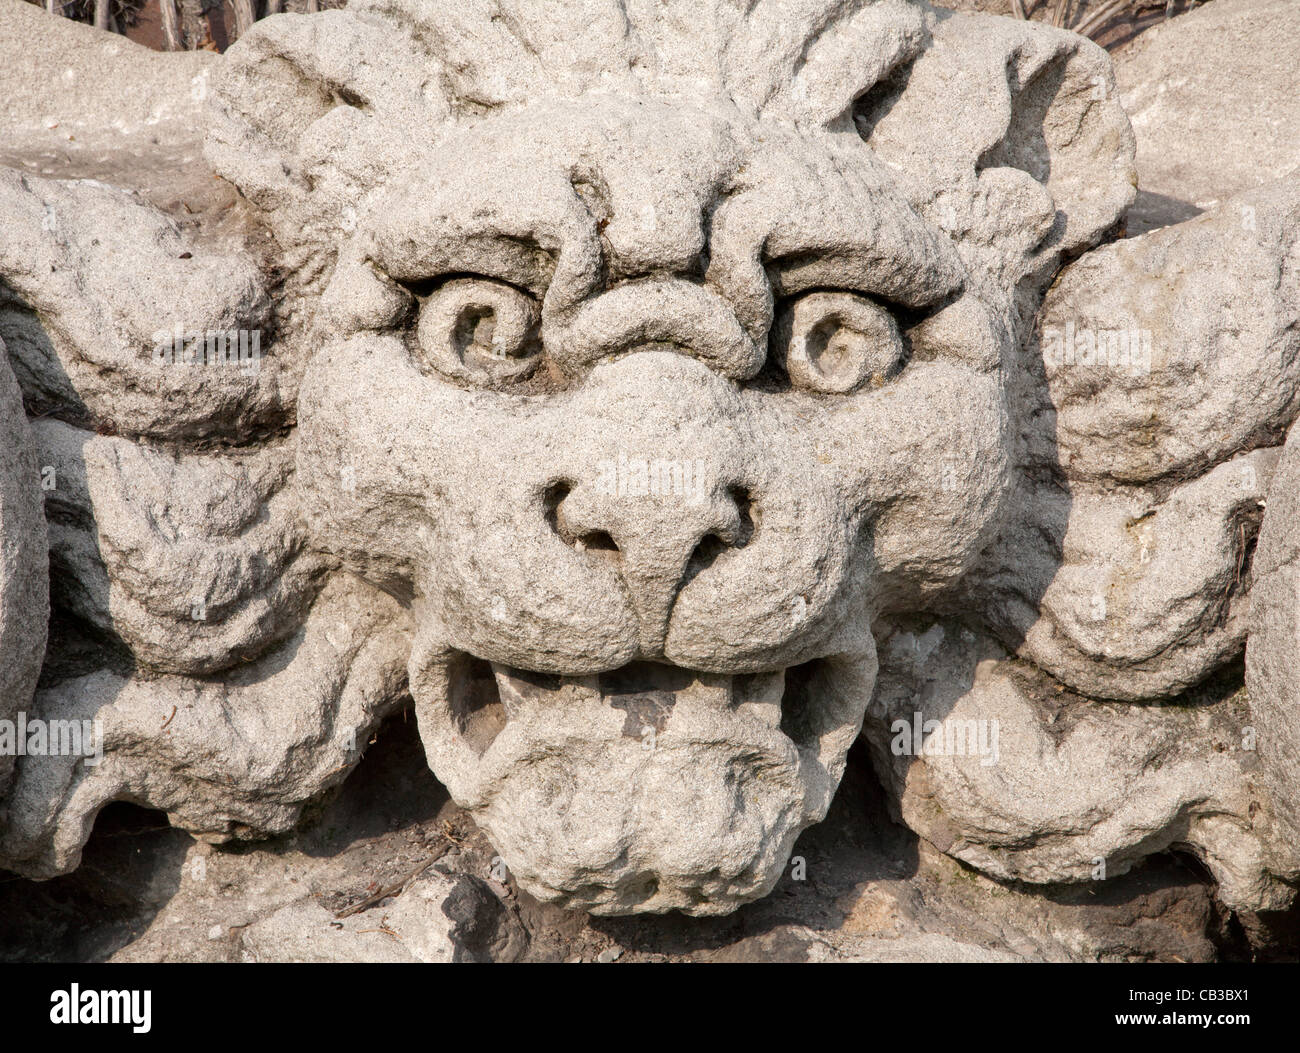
(448, 498)
(929, 463)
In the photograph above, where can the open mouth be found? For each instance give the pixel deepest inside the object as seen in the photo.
(645, 788)
(485, 696)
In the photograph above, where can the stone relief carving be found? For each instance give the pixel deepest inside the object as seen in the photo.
(662, 395)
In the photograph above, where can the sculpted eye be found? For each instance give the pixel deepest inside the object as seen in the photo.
(836, 342)
(479, 330)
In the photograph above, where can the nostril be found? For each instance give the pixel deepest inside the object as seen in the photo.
(710, 547)
(551, 498)
(596, 541)
(736, 534)
(747, 515)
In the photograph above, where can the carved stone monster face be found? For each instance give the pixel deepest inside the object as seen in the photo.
(648, 410)
(659, 351)
(630, 369)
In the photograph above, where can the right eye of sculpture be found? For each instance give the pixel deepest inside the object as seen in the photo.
(837, 342)
(479, 330)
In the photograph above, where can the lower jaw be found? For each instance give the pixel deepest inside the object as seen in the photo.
(646, 789)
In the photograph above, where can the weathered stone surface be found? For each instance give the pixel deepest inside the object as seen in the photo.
(976, 750)
(181, 348)
(1022, 156)
(107, 110)
(146, 892)
(1212, 96)
(1124, 565)
(1185, 343)
(195, 561)
(291, 724)
(436, 918)
(628, 372)
(101, 94)
(24, 579)
(1272, 665)
(567, 565)
(1128, 593)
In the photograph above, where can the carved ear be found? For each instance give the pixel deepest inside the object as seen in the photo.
(1011, 137)
(312, 114)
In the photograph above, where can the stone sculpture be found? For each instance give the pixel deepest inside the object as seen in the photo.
(662, 394)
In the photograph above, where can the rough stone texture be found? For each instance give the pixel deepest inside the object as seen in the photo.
(24, 580)
(1129, 593)
(99, 87)
(871, 890)
(1021, 156)
(115, 361)
(562, 566)
(291, 724)
(195, 561)
(1272, 667)
(984, 745)
(436, 918)
(629, 374)
(1212, 96)
(106, 109)
(1218, 298)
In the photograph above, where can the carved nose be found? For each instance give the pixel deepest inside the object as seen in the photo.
(660, 523)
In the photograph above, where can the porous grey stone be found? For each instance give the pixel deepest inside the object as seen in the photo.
(1129, 593)
(1021, 156)
(175, 353)
(100, 94)
(566, 565)
(435, 918)
(976, 750)
(1212, 96)
(106, 109)
(196, 561)
(629, 372)
(1169, 352)
(24, 579)
(1271, 651)
(292, 724)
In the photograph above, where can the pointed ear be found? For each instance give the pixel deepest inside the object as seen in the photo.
(807, 61)
(1011, 137)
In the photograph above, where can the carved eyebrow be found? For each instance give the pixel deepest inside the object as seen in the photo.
(519, 261)
(837, 220)
(517, 222)
(897, 281)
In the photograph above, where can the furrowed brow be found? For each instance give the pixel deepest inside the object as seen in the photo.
(864, 269)
(517, 260)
